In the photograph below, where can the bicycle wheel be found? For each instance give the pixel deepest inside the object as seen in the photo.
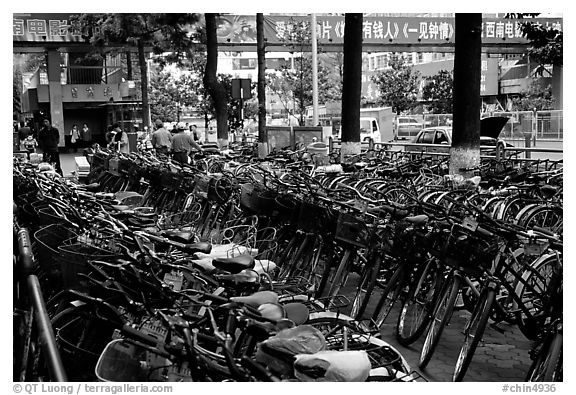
(531, 291)
(441, 317)
(548, 364)
(365, 288)
(417, 308)
(547, 217)
(473, 333)
(389, 295)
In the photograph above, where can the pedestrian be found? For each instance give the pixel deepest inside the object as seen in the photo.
(48, 139)
(182, 144)
(161, 139)
(30, 145)
(110, 133)
(120, 139)
(75, 138)
(23, 133)
(194, 130)
(86, 135)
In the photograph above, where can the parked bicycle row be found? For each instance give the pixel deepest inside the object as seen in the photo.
(397, 226)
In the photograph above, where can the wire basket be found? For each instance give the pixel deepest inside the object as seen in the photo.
(352, 230)
(81, 341)
(73, 260)
(409, 242)
(314, 218)
(469, 251)
(179, 220)
(50, 237)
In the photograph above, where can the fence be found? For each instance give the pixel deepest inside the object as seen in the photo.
(545, 125)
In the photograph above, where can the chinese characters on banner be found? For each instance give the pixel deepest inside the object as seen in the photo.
(402, 30)
(44, 27)
(241, 29)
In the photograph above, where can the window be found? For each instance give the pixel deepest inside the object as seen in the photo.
(427, 137)
(440, 138)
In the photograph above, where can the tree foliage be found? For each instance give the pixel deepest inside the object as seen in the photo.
(536, 97)
(438, 92)
(398, 86)
(161, 32)
(546, 45)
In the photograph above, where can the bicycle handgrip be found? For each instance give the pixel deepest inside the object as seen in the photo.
(135, 334)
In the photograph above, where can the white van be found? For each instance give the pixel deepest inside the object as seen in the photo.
(369, 129)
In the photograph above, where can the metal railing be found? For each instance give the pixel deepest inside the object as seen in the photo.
(31, 304)
(86, 75)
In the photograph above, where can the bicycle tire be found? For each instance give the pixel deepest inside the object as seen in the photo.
(531, 326)
(547, 217)
(441, 316)
(389, 296)
(419, 304)
(365, 287)
(473, 333)
(547, 366)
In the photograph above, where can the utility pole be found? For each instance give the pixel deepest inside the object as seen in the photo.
(261, 52)
(314, 72)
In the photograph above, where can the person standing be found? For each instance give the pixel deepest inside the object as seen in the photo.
(23, 133)
(194, 130)
(49, 138)
(75, 138)
(86, 135)
(161, 139)
(121, 139)
(182, 144)
(30, 145)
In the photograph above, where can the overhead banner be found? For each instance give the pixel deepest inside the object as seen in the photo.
(282, 29)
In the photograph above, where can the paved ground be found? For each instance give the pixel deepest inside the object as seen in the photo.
(502, 355)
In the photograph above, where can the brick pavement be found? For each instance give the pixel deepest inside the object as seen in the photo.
(502, 355)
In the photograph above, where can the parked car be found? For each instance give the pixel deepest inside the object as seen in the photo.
(490, 129)
(408, 127)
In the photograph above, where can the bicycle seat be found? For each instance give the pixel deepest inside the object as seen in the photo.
(417, 219)
(297, 312)
(234, 265)
(179, 236)
(257, 299)
(201, 246)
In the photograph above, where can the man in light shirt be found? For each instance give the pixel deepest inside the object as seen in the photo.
(161, 139)
(182, 144)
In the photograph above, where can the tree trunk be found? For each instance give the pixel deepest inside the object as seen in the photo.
(144, 79)
(211, 83)
(129, 65)
(261, 49)
(351, 85)
(465, 151)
